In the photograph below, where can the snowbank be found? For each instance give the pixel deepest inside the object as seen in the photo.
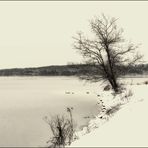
(128, 127)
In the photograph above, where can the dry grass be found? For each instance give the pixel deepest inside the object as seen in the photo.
(113, 109)
(128, 94)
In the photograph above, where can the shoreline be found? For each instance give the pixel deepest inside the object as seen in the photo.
(98, 131)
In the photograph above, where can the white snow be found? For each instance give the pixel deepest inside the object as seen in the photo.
(127, 127)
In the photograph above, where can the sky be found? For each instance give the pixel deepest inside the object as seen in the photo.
(39, 33)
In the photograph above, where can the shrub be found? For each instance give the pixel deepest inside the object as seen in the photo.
(146, 82)
(107, 87)
(62, 130)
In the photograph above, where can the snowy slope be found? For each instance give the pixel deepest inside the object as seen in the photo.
(128, 127)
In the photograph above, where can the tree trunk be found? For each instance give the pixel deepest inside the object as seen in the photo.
(113, 81)
(115, 86)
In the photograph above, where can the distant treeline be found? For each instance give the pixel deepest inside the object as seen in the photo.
(70, 70)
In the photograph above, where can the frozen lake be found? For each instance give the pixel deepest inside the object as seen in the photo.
(26, 100)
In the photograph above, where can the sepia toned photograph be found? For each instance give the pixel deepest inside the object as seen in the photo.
(73, 74)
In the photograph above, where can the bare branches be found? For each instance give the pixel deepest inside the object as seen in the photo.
(88, 48)
(107, 49)
(62, 130)
(122, 52)
(136, 59)
(106, 30)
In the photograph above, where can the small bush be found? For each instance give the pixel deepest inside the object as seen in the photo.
(107, 87)
(146, 82)
(62, 130)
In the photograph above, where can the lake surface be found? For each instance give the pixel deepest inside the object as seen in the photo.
(24, 101)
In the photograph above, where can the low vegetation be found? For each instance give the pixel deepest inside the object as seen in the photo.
(113, 109)
(146, 82)
(62, 130)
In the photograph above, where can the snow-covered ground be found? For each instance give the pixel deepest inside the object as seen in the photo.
(127, 127)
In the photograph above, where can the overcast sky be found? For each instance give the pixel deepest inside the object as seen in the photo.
(40, 33)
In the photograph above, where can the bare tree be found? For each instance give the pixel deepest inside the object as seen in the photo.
(107, 49)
